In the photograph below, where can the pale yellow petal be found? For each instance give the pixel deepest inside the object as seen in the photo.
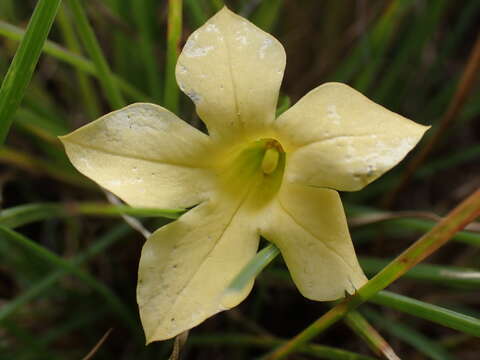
(309, 227)
(145, 155)
(232, 70)
(337, 138)
(186, 267)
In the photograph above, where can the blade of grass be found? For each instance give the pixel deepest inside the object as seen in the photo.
(451, 44)
(442, 275)
(90, 42)
(464, 213)
(418, 34)
(422, 225)
(240, 340)
(75, 322)
(409, 335)
(266, 16)
(23, 64)
(103, 243)
(28, 341)
(354, 320)
(25, 214)
(253, 268)
(199, 17)
(38, 166)
(439, 315)
(143, 15)
(284, 104)
(87, 91)
(373, 339)
(174, 34)
(373, 44)
(7, 10)
(464, 88)
(77, 61)
(37, 250)
(217, 5)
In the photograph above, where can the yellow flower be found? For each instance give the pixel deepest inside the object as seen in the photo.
(252, 176)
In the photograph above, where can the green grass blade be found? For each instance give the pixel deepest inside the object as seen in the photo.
(217, 4)
(114, 235)
(458, 218)
(174, 34)
(283, 105)
(442, 275)
(40, 166)
(253, 268)
(9, 235)
(433, 313)
(145, 20)
(25, 214)
(240, 340)
(90, 42)
(409, 335)
(266, 16)
(23, 64)
(416, 224)
(367, 55)
(195, 9)
(417, 36)
(367, 332)
(77, 61)
(87, 90)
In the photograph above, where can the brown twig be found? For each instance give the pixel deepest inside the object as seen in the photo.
(97, 346)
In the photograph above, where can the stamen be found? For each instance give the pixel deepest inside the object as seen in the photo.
(270, 160)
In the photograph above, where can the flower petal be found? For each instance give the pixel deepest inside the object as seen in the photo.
(308, 225)
(340, 139)
(232, 70)
(145, 155)
(187, 265)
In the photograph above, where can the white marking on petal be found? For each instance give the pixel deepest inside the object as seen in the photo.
(333, 114)
(182, 69)
(242, 39)
(192, 50)
(196, 98)
(212, 27)
(267, 42)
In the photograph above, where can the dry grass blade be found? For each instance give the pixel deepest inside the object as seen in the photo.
(464, 88)
(178, 344)
(380, 216)
(370, 335)
(97, 346)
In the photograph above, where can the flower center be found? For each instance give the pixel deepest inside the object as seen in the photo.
(254, 171)
(271, 156)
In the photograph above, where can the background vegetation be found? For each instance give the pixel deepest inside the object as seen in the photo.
(68, 260)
